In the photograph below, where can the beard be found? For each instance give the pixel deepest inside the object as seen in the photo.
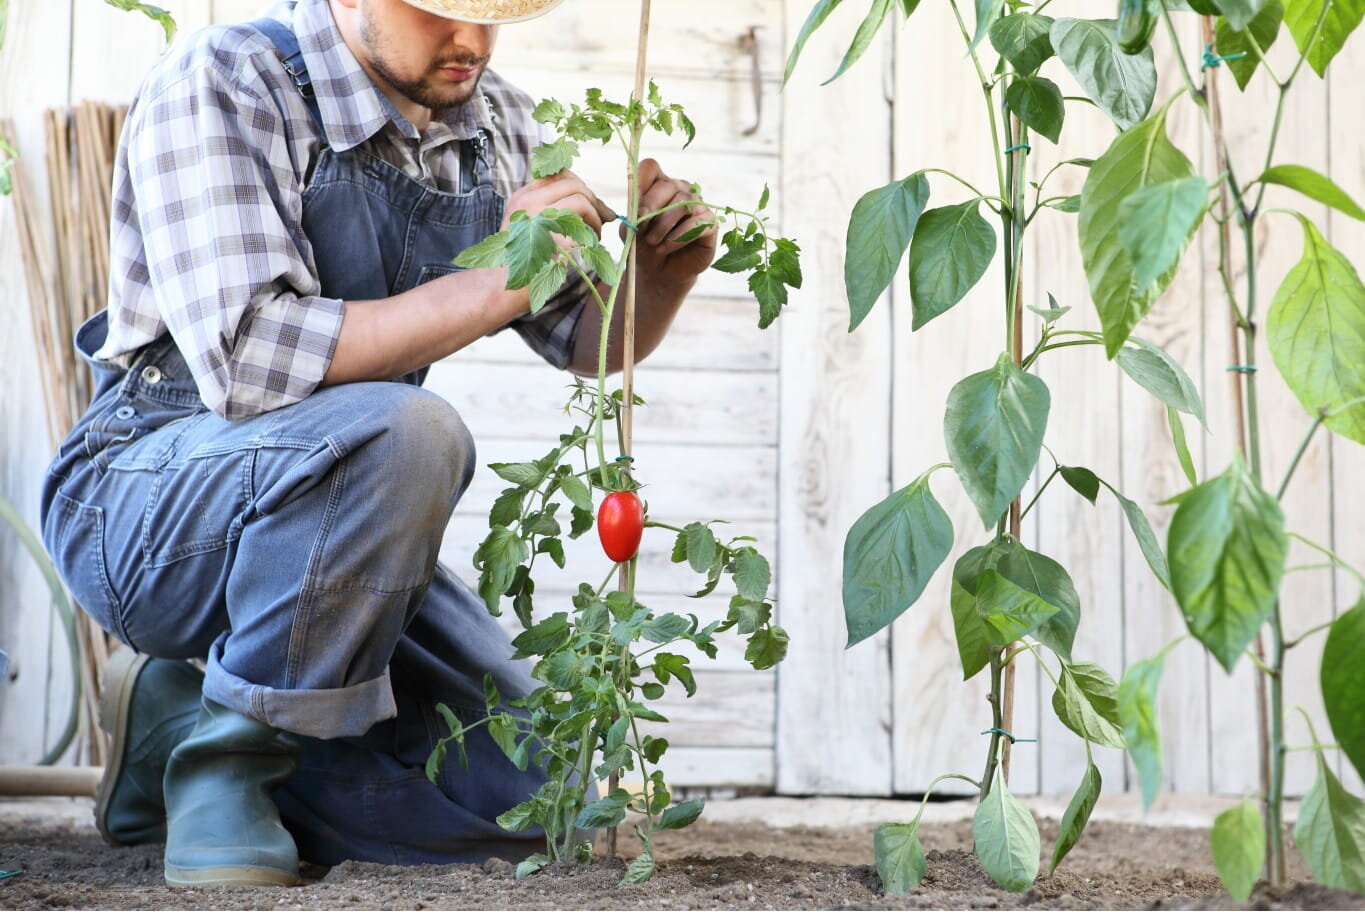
(430, 90)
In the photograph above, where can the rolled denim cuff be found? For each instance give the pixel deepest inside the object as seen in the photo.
(342, 712)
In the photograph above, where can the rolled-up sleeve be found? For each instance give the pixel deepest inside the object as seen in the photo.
(220, 212)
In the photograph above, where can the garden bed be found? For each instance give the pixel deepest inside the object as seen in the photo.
(721, 864)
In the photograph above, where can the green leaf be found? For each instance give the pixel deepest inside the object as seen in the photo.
(1024, 39)
(770, 291)
(752, 574)
(987, 12)
(1330, 832)
(600, 261)
(498, 558)
(818, 14)
(525, 474)
(530, 246)
(1156, 223)
(1048, 580)
(665, 628)
(1139, 157)
(1182, 447)
(701, 546)
(879, 231)
(951, 249)
(521, 817)
(900, 857)
(1122, 85)
(1227, 547)
(1264, 29)
(502, 729)
(1146, 539)
(1238, 843)
(1077, 815)
(1137, 713)
(507, 507)
(972, 635)
(890, 554)
(155, 13)
(668, 666)
(862, 39)
(1316, 331)
(1083, 481)
(491, 251)
(682, 814)
(549, 159)
(1009, 610)
(549, 111)
(545, 637)
(767, 647)
(1314, 186)
(1342, 17)
(548, 281)
(1087, 702)
(993, 427)
(1240, 13)
(1006, 837)
(1343, 683)
(641, 869)
(531, 865)
(1038, 103)
(1153, 369)
(604, 812)
(577, 492)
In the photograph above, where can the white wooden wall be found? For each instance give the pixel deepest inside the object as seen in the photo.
(792, 433)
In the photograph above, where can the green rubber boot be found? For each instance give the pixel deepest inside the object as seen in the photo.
(147, 706)
(223, 826)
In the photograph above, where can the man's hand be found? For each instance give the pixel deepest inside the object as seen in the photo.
(660, 258)
(564, 190)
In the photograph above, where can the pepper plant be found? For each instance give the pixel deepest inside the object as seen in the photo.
(604, 657)
(1141, 205)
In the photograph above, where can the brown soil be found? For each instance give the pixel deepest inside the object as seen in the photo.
(65, 865)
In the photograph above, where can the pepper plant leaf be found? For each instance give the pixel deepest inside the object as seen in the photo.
(1240, 13)
(1156, 223)
(1087, 702)
(1140, 157)
(1083, 481)
(1146, 539)
(1343, 683)
(1316, 332)
(1152, 368)
(1038, 103)
(951, 249)
(1342, 17)
(1330, 832)
(1137, 714)
(890, 554)
(1006, 837)
(1009, 610)
(1122, 85)
(993, 427)
(1227, 547)
(1047, 579)
(879, 231)
(987, 12)
(1024, 39)
(817, 16)
(972, 635)
(900, 857)
(1263, 29)
(1314, 186)
(1077, 815)
(862, 39)
(1238, 843)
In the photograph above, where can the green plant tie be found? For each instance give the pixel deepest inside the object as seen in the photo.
(1013, 740)
(5, 875)
(1025, 146)
(628, 223)
(625, 458)
(1243, 368)
(1212, 60)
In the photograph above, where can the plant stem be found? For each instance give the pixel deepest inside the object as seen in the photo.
(997, 722)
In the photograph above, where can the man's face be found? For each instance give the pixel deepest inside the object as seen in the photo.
(430, 60)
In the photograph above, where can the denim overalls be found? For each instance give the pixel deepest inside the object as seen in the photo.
(296, 551)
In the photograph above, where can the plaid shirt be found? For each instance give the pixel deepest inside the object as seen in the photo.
(207, 240)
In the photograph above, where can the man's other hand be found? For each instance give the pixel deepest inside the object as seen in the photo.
(661, 258)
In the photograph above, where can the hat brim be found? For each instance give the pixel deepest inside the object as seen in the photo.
(477, 11)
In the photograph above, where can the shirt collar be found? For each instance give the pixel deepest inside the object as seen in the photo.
(353, 108)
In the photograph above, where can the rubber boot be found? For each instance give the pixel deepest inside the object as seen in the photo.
(223, 826)
(147, 706)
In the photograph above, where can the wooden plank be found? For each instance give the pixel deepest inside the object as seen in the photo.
(35, 697)
(731, 709)
(834, 709)
(110, 71)
(508, 401)
(735, 767)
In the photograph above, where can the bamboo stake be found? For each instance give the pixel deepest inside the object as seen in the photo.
(64, 781)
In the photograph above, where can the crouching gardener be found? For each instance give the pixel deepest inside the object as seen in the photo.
(250, 487)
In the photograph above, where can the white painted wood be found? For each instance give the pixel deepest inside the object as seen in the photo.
(834, 706)
(739, 767)
(110, 71)
(731, 709)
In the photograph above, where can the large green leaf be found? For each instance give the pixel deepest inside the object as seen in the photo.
(1152, 368)
(1010, 611)
(879, 231)
(1038, 103)
(890, 554)
(1077, 814)
(1087, 702)
(994, 426)
(1156, 223)
(1240, 13)
(1264, 28)
(950, 252)
(1137, 713)
(1227, 546)
(1316, 331)
(1146, 539)
(900, 857)
(987, 12)
(1343, 683)
(973, 636)
(862, 39)
(818, 14)
(1006, 837)
(1341, 20)
(1238, 843)
(1024, 39)
(1314, 186)
(1140, 157)
(1123, 85)
(1044, 577)
(1330, 832)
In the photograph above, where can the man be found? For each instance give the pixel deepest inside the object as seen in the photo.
(249, 487)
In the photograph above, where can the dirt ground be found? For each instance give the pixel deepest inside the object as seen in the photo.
(718, 865)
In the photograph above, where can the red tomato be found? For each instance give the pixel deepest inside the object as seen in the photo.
(620, 523)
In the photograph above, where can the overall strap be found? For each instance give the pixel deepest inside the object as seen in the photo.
(287, 47)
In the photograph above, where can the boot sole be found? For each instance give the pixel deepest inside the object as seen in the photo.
(229, 877)
(116, 695)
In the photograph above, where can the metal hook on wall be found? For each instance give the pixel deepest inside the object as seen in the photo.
(748, 43)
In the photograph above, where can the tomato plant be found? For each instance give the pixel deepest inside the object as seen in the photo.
(604, 657)
(1142, 202)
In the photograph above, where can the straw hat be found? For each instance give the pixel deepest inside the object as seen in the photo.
(486, 11)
